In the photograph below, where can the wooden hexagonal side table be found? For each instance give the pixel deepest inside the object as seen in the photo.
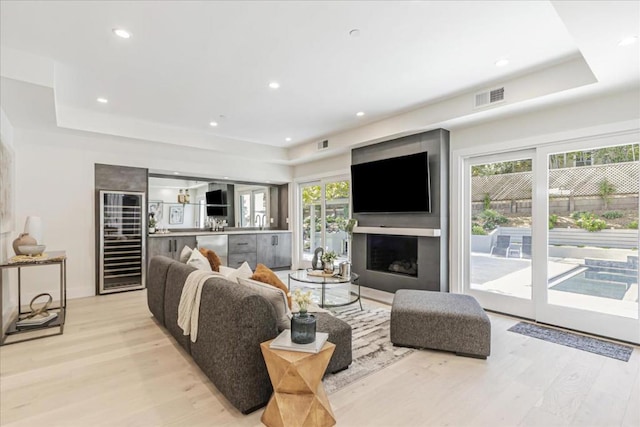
(298, 396)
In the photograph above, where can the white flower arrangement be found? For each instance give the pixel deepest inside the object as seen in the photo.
(303, 299)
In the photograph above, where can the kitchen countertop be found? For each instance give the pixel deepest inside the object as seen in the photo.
(178, 233)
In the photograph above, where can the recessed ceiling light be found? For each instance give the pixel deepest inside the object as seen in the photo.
(226, 177)
(354, 33)
(274, 85)
(267, 181)
(360, 113)
(213, 124)
(176, 173)
(102, 100)
(287, 139)
(628, 41)
(502, 62)
(120, 32)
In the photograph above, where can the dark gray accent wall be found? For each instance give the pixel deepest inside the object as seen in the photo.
(279, 206)
(283, 207)
(433, 252)
(120, 178)
(229, 189)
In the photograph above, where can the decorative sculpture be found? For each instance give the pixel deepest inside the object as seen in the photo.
(316, 262)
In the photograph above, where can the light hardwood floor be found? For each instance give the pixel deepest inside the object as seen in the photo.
(114, 366)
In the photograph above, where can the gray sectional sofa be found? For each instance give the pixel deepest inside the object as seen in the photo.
(233, 322)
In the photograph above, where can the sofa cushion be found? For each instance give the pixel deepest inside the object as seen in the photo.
(232, 274)
(199, 261)
(185, 254)
(265, 275)
(176, 277)
(212, 257)
(276, 297)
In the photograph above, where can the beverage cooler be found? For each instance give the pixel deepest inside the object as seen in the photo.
(122, 241)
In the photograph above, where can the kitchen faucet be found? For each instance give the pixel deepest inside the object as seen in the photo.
(260, 220)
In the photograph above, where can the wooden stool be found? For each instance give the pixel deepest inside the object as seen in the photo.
(298, 396)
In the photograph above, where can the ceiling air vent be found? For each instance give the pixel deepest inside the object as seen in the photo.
(489, 97)
(322, 145)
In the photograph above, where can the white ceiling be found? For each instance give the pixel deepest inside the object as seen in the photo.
(188, 63)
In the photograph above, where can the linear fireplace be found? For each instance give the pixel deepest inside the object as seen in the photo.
(393, 254)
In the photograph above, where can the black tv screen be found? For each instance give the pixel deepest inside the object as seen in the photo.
(398, 184)
(216, 197)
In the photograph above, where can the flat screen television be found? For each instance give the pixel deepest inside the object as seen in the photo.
(216, 197)
(397, 184)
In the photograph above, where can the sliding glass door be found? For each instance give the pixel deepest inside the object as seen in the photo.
(592, 252)
(499, 207)
(324, 211)
(551, 234)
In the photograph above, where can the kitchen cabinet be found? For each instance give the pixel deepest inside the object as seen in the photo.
(169, 246)
(274, 249)
(242, 247)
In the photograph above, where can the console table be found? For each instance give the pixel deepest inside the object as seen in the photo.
(53, 258)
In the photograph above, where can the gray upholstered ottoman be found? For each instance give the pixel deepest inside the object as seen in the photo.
(440, 321)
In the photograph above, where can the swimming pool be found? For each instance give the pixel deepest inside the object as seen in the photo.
(603, 282)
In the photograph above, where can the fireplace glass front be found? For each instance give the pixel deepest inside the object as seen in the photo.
(393, 254)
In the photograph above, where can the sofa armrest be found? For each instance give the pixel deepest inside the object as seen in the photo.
(156, 283)
(228, 346)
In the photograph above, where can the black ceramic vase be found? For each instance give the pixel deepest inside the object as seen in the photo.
(303, 328)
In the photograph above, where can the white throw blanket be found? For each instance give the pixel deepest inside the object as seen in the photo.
(189, 307)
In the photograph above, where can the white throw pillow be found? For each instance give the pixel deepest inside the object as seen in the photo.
(226, 271)
(242, 272)
(199, 261)
(185, 254)
(275, 296)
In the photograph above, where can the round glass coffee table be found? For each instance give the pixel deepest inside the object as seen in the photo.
(325, 282)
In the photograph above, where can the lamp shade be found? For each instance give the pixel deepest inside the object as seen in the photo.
(33, 226)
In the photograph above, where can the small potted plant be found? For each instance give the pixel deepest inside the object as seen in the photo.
(327, 261)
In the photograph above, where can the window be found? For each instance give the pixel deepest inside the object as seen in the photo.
(253, 205)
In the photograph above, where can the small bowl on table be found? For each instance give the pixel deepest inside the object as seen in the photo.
(32, 250)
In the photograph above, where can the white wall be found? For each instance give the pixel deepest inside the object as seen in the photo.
(55, 180)
(9, 296)
(566, 121)
(336, 165)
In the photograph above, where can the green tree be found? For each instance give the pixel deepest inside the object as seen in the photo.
(600, 156)
(500, 168)
(606, 189)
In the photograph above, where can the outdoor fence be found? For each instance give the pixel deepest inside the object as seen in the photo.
(570, 189)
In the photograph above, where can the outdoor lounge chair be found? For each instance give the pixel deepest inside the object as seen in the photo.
(526, 247)
(501, 247)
